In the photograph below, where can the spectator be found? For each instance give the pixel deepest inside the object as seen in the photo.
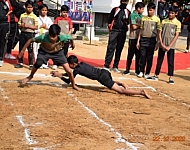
(28, 23)
(118, 26)
(14, 31)
(163, 9)
(187, 22)
(135, 20)
(147, 40)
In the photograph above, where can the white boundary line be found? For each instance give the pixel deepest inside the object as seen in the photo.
(29, 139)
(119, 78)
(119, 136)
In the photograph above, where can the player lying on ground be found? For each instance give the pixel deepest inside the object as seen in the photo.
(101, 75)
(50, 48)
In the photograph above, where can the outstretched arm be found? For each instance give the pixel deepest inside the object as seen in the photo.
(20, 55)
(60, 75)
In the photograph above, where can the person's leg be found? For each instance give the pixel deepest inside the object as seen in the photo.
(112, 42)
(3, 31)
(150, 54)
(128, 91)
(137, 58)
(188, 42)
(120, 44)
(36, 66)
(66, 48)
(30, 50)
(16, 36)
(160, 59)
(170, 57)
(143, 51)
(142, 60)
(11, 38)
(21, 45)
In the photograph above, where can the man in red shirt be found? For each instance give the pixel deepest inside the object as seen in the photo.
(66, 28)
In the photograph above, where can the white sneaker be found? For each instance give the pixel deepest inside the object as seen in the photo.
(116, 70)
(140, 75)
(186, 51)
(146, 76)
(45, 66)
(54, 67)
(1, 63)
(9, 56)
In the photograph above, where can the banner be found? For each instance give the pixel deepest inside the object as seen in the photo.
(80, 10)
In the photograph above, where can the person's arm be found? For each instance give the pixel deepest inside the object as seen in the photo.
(70, 26)
(60, 75)
(140, 34)
(111, 17)
(173, 41)
(72, 45)
(20, 55)
(56, 21)
(138, 40)
(69, 73)
(133, 24)
(33, 27)
(178, 30)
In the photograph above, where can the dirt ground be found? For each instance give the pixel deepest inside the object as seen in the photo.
(48, 114)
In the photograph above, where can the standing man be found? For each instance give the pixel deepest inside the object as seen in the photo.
(13, 28)
(146, 42)
(118, 26)
(135, 21)
(7, 15)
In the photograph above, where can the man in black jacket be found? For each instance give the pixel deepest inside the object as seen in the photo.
(8, 9)
(118, 26)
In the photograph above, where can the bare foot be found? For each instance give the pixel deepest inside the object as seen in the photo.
(25, 80)
(144, 93)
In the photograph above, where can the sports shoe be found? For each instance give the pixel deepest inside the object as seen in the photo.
(186, 51)
(140, 75)
(18, 66)
(171, 81)
(153, 78)
(146, 76)
(116, 70)
(54, 67)
(9, 56)
(44, 66)
(1, 63)
(126, 72)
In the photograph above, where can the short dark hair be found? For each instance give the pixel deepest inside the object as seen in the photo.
(43, 6)
(151, 6)
(64, 8)
(54, 30)
(139, 5)
(29, 2)
(72, 59)
(174, 9)
(124, 1)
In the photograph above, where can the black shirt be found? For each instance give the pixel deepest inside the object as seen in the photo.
(85, 70)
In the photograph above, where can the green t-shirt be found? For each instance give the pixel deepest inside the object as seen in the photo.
(134, 19)
(49, 47)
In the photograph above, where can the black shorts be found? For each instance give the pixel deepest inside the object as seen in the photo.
(57, 57)
(106, 78)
